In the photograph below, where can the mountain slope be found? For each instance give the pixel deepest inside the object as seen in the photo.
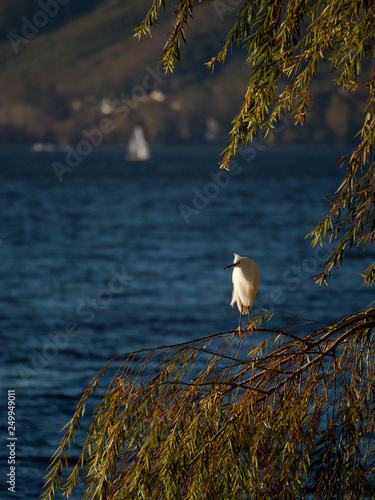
(54, 87)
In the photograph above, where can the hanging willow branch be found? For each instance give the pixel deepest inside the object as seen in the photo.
(285, 42)
(219, 417)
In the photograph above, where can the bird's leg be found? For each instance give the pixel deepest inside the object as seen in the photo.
(239, 326)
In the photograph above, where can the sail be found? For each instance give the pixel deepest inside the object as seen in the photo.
(138, 149)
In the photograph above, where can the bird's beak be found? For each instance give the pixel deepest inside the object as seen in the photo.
(232, 265)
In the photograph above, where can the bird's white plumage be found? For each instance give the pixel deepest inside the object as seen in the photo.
(245, 280)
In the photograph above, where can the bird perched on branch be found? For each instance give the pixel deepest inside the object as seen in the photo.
(245, 280)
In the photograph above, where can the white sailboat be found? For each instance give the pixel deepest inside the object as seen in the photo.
(138, 149)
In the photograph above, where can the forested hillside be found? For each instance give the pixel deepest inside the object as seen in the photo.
(67, 65)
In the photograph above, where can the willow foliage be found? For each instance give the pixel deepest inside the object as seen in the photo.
(286, 42)
(287, 417)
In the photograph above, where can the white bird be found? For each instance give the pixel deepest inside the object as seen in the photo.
(245, 280)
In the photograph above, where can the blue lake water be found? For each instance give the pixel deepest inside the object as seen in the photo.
(120, 256)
